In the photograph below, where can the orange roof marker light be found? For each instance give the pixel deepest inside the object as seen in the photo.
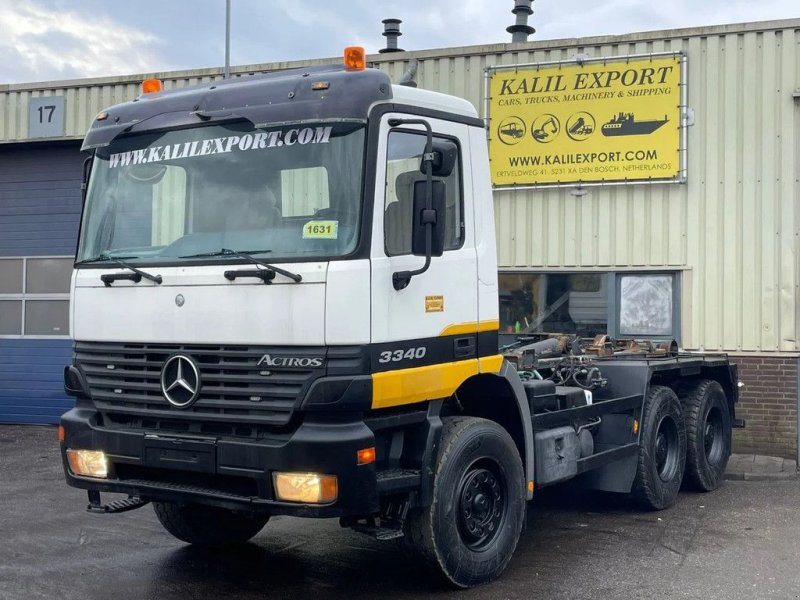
(355, 58)
(150, 86)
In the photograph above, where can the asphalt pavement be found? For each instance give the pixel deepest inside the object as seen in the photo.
(740, 542)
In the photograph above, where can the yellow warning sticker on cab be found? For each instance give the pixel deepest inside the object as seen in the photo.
(321, 230)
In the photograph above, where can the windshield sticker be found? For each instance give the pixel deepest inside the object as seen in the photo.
(222, 145)
(321, 230)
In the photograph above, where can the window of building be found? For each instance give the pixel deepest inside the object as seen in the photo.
(646, 305)
(554, 302)
(402, 171)
(34, 296)
(622, 305)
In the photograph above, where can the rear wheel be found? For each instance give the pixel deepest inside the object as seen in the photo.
(708, 431)
(662, 450)
(469, 532)
(208, 525)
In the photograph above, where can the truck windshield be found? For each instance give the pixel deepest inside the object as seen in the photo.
(292, 191)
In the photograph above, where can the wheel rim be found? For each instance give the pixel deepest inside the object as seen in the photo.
(481, 504)
(713, 440)
(666, 449)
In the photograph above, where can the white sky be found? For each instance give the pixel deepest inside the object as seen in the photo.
(61, 39)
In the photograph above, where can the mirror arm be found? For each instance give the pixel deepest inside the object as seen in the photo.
(401, 279)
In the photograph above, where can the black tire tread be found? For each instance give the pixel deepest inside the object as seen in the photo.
(207, 526)
(691, 397)
(418, 542)
(418, 538)
(643, 491)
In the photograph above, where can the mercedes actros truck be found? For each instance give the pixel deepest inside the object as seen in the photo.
(285, 302)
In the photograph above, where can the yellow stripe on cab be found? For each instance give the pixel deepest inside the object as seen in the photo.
(410, 386)
(472, 327)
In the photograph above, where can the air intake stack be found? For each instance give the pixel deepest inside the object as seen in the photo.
(391, 31)
(520, 30)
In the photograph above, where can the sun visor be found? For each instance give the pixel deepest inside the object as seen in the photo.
(287, 97)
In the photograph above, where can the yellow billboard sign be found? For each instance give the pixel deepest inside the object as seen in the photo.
(615, 120)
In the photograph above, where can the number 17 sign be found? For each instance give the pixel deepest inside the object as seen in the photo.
(46, 117)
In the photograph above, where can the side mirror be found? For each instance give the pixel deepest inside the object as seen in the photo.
(422, 216)
(445, 154)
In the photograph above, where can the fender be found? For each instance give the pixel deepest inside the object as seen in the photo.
(509, 373)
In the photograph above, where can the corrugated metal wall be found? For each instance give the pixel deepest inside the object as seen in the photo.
(734, 229)
(32, 380)
(40, 199)
(40, 204)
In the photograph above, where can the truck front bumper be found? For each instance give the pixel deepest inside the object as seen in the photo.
(227, 472)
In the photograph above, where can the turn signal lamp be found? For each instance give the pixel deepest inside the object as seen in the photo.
(355, 58)
(308, 488)
(150, 86)
(635, 426)
(366, 456)
(89, 463)
(62, 435)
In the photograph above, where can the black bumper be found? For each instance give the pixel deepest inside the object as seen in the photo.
(227, 472)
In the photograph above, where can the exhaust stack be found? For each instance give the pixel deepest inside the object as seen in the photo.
(520, 31)
(391, 31)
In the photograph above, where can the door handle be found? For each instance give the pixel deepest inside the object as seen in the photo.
(465, 347)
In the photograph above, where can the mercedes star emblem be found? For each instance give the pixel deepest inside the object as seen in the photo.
(180, 381)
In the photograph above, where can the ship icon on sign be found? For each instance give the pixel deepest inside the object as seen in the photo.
(626, 124)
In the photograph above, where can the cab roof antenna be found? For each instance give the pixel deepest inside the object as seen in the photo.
(409, 78)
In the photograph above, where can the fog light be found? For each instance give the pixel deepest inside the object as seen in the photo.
(308, 488)
(89, 463)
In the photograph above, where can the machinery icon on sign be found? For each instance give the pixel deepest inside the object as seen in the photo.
(545, 128)
(580, 126)
(511, 130)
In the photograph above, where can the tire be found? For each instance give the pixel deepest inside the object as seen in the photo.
(708, 432)
(662, 451)
(208, 525)
(468, 534)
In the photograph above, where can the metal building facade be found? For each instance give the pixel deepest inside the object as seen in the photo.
(733, 229)
(732, 232)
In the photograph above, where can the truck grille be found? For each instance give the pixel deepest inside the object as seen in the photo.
(125, 381)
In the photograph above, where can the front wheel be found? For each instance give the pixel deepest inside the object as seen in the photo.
(208, 525)
(470, 531)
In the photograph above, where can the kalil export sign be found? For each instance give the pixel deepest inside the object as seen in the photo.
(600, 121)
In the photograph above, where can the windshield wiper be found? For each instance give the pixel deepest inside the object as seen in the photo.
(267, 274)
(109, 278)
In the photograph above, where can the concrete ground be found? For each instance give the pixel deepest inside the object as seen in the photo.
(740, 542)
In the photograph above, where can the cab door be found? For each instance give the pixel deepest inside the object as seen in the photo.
(424, 337)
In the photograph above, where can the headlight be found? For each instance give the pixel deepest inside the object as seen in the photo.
(89, 463)
(308, 488)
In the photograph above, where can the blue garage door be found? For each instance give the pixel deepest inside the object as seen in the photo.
(40, 203)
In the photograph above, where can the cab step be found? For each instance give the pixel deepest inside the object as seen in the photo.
(117, 506)
(387, 526)
(393, 481)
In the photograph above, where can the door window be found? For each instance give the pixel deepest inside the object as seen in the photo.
(405, 150)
